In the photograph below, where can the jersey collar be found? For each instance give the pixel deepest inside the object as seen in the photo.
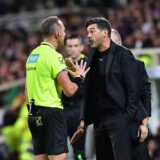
(48, 44)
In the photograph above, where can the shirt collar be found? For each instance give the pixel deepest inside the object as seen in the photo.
(48, 44)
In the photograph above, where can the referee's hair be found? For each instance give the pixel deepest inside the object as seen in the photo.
(49, 26)
(102, 23)
(73, 36)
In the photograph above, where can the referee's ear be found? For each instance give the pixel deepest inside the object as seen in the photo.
(57, 35)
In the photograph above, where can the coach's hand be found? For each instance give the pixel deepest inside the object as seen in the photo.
(82, 125)
(142, 133)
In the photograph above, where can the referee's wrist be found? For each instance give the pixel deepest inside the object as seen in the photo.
(79, 80)
(80, 76)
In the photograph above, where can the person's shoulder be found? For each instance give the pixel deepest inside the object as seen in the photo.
(140, 62)
(36, 49)
(50, 55)
(57, 58)
(43, 50)
(54, 54)
(125, 52)
(124, 49)
(126, 55)
(120, 49)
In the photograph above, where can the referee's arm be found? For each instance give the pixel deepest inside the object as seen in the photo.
(69, 88)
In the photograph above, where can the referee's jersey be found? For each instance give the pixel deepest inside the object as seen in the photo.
(42, 68)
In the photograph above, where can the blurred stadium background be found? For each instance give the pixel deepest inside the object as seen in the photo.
(138, 22)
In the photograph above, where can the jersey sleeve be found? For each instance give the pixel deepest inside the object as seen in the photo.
(57, 64)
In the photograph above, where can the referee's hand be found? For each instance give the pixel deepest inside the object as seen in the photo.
(70, 64)
(79, 70)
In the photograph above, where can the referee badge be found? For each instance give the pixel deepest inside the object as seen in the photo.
(61, 60)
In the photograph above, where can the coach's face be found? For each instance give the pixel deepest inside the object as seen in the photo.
(95, 35)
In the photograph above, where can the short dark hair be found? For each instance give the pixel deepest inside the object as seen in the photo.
(73, 36)
(49, 25)
(102, 23)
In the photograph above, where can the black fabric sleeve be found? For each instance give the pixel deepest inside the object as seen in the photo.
(130, 76)
(146, 92)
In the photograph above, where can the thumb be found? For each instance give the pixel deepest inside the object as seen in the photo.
(82, 124)
(69, 62)
(72, 73)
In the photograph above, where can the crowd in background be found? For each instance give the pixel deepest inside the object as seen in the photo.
(14, 6)
(137, 21)
(138, 24)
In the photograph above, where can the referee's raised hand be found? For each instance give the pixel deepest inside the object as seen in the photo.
(70, 64)
(77, 70)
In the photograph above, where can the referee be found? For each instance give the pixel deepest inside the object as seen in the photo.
(46, 77)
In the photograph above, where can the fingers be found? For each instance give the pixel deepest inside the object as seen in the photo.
(70, 65)
(81, 66)
(143, 133)
(77, 64)
(68, 62)
(84, 66)
(82, 125)
(81, 128)
(74, 74)
(78, 69)
(87, 70)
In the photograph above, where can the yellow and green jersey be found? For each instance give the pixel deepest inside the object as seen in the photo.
(42, 68)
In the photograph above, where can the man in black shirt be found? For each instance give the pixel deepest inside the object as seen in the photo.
(72, 105)
(111, 92)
